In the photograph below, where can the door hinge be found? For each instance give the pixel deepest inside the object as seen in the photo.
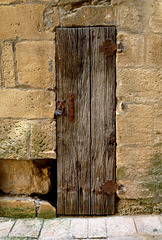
(108, 47)
(108, 188)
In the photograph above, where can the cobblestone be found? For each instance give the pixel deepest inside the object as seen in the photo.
(145, 227)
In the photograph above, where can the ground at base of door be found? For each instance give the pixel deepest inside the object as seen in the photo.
(140, 227)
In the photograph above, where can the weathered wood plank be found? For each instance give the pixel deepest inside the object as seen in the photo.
(85, 147)
(73, 152)
(102, 120)
(83, 99)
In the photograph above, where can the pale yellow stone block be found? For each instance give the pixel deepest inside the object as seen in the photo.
(153, 50)
(8, 64)
(46, 210)
(25, 21)
(139, 170)
(35, 63)
(17, 103)
(158, 126)
(133, 161)
(156, 19)
(11, 1)
(158, 118)
(130, 17)
(16, 208)
(133, 54)
(139, 85)
(23, 177)
(134, 124)
(89, 16)
(14, 139)
(43, 139)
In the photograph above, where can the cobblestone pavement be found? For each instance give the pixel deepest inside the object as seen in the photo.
(145, 227)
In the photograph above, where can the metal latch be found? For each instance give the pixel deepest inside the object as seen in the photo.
(60, 108)
(71, 107)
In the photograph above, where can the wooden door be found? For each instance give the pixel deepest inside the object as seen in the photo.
(86, 129)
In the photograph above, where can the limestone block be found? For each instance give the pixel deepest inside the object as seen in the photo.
(14, 139)
(130, 17)
(25, 21)
(156, 19)
(133, 54)
(35, 64)
(17, 208)
(139, 85)
(11, 1)
(26, 104)
(158, 118)
(89, 16)
(153, 53)
(23, 177)
(141, 206)
(134, 164)
(46, 210)
(135, 124)
(43, 139)
(8, 64)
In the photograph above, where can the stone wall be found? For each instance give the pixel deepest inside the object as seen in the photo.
(27, 94)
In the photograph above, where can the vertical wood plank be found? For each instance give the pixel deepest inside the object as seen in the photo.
(73, 152)
(102, 120)
(84, 121)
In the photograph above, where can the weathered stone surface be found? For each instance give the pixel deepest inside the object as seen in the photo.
(14, 139)
(43, 139)
(17, 103)
(17, 208)
(130, 17)
(26, 228)
(120, 226)
(46, 210)
(158, 121)
(139, 85)
(156, 19)
(55, 229)
(8, 64)
(23, 177)
(97, 228)
(148, 225)
(153, 53)
(138, 206)
(127, 238)
(89, 16)
(133, 54)
(5, 227)
(35, 64)
(133, 163)
(25, 21)
(76, 225)
(134, 124)
(11, 1)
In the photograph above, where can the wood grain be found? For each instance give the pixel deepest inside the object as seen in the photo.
(85, 146)
(73, 139)
(102, 120)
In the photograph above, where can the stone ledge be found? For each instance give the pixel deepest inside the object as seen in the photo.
(25, 207)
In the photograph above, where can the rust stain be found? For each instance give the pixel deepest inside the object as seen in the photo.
(108, 47)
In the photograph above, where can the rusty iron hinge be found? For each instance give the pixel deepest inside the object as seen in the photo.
(108, 188)
(108, 47)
